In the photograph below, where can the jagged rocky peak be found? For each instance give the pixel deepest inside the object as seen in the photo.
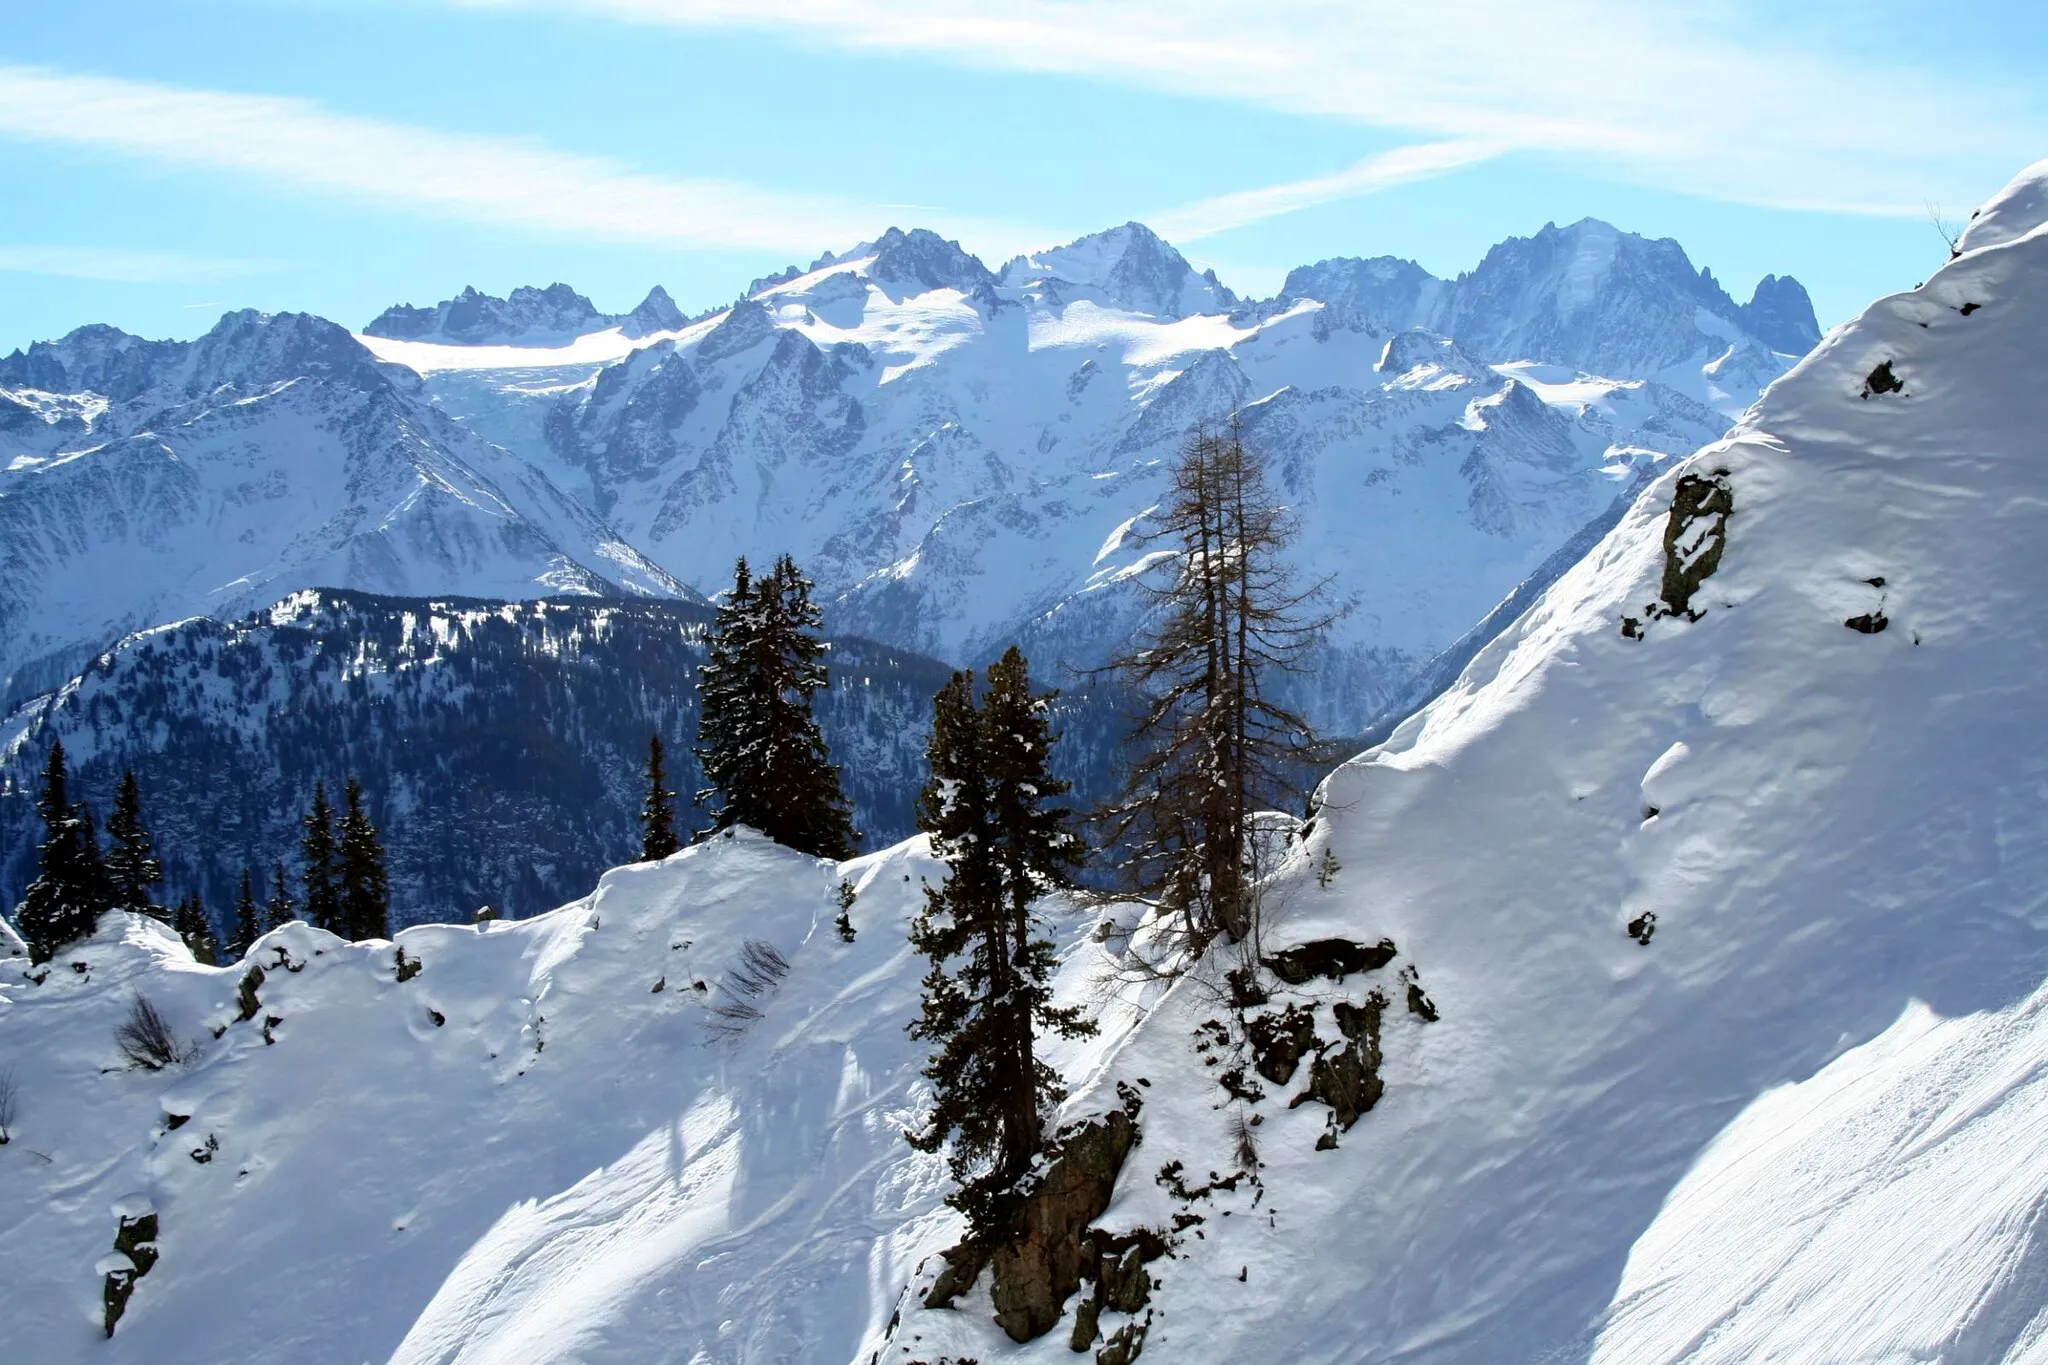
(250, 349)
(1780, 315)
(92, 359)
(1378, 294)
(1129, 267)
(656, 313)
(746, 326)
(1590, 296)
(920, 257)
(473, 318)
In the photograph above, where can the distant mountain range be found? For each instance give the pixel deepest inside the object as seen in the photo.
(963, 456)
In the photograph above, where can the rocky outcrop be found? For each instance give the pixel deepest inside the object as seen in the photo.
(1694, 536)
(1347, 1079)
(134, 1254)
(1334, 958)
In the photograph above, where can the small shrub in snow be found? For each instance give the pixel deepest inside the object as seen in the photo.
(145, 1039)
(1328, 868)
(10, 1100)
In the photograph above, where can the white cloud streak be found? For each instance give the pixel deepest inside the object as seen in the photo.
(496, 181)
(1658, 95)
(121, 266)
(1383, 170)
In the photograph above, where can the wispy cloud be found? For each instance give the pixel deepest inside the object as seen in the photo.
(1662, 95)
(1207, 217)
(120, 266)
(477, 179)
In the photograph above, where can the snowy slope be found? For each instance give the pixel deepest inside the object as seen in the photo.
(1828, 826)
(965, 459)
(164, 480)
(527, 1151)
(1741, 1140)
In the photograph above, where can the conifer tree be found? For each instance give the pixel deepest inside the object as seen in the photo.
(280, 909)
(764, 760)
(248, 918)
(192, 925)
(1212, 743)
(132, 866)
(321, 878)
(658, 810)
(987, 807)
(63, 904)
(364, 885)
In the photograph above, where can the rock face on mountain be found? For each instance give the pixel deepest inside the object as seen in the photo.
(167, 480)
(1126, 267)
(528, 316)
(963, 458)
(1589, 296)
(966, 460)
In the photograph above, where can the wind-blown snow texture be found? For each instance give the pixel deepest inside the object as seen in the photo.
(963, 458)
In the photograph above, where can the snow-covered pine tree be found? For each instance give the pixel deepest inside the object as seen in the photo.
(280, 909)
(1210, 743)
(321, 878)
(132, 866)
(248, 918)
(63, 904)
(192, 925)
(987, 807)
(764, 760)
(658, 810)
(363, 883)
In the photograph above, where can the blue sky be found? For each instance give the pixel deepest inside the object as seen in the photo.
(161, 162)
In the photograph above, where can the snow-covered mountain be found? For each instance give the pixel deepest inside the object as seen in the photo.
(1671, 992)
(529, 316)
(963, 458)
(1590, 296)
(145, 482)
(966, 459)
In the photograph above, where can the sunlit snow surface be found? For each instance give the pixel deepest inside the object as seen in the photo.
(1802, 1124)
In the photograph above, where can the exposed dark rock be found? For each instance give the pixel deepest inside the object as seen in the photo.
(1245, 990)
(1882, 380)
(135, 1238)
(963, 1268)
(1694, 536)
(1631, 628)
(408, 967)
(1334, 958)
(1279, 1041)
(1419, 1002)
(1347, 1079)
(1086, 1318)
(1869, 624)
(1126, 1345)
(1642, 926)
(1969, 308)
(245, 995)
(1039, 1263)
